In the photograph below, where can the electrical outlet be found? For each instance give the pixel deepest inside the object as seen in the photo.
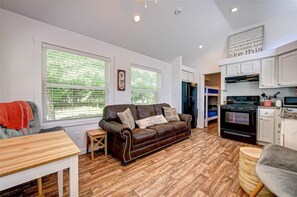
(77, 135)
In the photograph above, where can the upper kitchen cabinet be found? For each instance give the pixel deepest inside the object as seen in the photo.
(287, 69)
(267, 73)
(250, 67)
(233, 69)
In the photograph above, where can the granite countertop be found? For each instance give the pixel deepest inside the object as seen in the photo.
(286, 114)
(264, 107)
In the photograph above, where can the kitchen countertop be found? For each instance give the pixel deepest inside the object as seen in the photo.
(264, 107)
(286, 114)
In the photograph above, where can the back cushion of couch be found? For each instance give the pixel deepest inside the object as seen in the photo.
(110, 112)
(159, 108)
(145, 111)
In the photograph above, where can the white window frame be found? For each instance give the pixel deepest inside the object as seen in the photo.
(159, 79)
(77, 121)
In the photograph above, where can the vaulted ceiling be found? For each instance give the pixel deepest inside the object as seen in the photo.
(160, 33)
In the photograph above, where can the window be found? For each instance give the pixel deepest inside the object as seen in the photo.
(145, 85)
(74, 84)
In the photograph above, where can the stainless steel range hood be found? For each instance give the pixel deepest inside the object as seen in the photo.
(243, 78)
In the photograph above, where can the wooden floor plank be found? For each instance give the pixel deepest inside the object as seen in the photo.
(203, 165)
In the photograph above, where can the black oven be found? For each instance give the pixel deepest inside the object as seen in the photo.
(239, 121)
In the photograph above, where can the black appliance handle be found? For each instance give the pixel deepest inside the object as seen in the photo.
(239, 110)
(238, 134)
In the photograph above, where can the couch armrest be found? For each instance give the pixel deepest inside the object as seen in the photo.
(185, 117)
(52, 129)
(114, 127)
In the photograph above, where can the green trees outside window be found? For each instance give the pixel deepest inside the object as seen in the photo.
(74, 86)
(145, 86)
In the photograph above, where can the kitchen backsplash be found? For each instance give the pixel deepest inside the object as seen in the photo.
(252, 88)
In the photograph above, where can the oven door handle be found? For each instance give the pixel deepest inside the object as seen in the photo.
(237, 110)
(238, 134)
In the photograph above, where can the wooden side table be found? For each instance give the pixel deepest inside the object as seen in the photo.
(97, 136)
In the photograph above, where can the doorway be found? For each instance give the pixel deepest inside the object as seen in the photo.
(212, 93)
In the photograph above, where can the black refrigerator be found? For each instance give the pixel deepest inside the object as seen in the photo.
(189, 101)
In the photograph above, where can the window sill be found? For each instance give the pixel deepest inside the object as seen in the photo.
(71, 123)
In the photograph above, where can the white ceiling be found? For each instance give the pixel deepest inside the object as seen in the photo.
(160, 33)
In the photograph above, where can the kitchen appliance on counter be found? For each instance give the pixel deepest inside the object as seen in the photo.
(239, 118)
(278, 103)
(290, 101)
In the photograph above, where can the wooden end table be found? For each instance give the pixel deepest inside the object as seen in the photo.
(96, 136)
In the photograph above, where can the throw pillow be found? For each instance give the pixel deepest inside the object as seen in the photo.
(171, 114)
(127, 118)
(150, 121)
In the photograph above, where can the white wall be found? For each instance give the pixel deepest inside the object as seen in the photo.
(176, 83)
(21, 65)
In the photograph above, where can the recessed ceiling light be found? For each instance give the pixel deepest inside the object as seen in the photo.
(235, 9)
(156, 1)
(145, 5)
(200, 46)
(136, 18)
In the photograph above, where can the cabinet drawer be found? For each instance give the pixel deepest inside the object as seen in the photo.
(267, 112)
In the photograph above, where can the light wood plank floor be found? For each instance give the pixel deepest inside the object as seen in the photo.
(204, 165)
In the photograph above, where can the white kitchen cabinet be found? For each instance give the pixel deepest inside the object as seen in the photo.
(266, 132)
(187, 76)
(233, 69)
(289, 133)
(243, 68)
(287, 69)
(268, 73)
(266, 125)
(250, 67)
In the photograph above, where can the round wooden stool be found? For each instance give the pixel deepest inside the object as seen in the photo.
(248, 179)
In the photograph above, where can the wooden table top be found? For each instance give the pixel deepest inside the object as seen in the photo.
(96, 132)
(25, 152)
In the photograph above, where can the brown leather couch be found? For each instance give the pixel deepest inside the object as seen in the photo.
(127, 145)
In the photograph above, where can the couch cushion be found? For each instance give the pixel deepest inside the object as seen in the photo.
(110, 112)
(145, 111)
(179, 126)
(143, 135)
(150, 121)
(171, 114)
(163, 130)
(127, 118)
(159, 108)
